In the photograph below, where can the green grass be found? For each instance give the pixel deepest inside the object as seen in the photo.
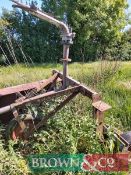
(72, 130)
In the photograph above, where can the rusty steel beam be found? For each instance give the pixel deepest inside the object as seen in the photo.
(25, 87)
(39, 98)
(99, 107)
(52, 113)
(99, 117)
(33, 92)
(86, 91)
(22, 87)
(50, 80)
(52, 85)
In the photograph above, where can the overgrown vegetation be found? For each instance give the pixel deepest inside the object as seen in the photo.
(27, 40)
(72, 130)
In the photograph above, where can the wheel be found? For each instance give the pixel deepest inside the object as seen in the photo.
(14, 131)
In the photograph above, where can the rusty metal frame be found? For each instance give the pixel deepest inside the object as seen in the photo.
(74, 88)
(52, 113)
(39, 85)
(99, 107)
(67, 37)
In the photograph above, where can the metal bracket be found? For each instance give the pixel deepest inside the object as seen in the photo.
(68, 39)
(101, 106)
(68, 60)
(16, 115)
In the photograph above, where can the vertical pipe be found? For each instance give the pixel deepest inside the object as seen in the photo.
(65, 64)
(99, 116)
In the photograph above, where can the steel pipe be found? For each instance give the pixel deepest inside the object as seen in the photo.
(42, 15)
(38, 99)
(5, 109)
(67, 36)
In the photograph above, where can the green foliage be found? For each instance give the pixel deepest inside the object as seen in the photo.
(72, 130)
(3, 24)
(10, 161)
(125, 47)
(31, 38)
(98, 25)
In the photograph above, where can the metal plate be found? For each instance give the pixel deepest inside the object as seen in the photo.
(101, 106)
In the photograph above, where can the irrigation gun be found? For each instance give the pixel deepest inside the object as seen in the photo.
(15, 101)
(67, 34)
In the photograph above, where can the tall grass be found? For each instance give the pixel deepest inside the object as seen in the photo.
(72, 130)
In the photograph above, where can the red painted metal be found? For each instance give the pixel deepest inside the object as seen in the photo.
(9, 95)
(21, 88)
(18, 133)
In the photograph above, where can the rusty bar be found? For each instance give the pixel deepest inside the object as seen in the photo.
(24, 87)
(39, 88)
(39, 98)
(49, 81)
(99, 116)
(101, 106)
(52, 113)
(46, 96)
(33, 92)
(19, 88)
(53, 83)
(83, 89)
(5, 109)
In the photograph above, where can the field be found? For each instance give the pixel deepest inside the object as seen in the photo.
(72, 130)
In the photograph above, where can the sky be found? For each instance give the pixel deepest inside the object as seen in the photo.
(8, 5)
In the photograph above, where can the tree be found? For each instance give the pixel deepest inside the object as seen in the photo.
(98, 25)
(38, 39)
(125, 46)
(3, 25)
